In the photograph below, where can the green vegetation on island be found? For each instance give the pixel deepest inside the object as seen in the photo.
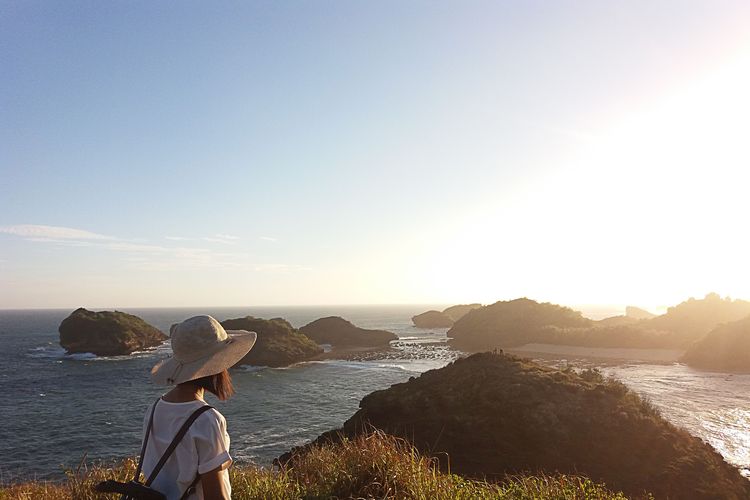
(726, 348)
(523, 321)
(445, 318)
(369, 466)
(107, 333)
(511, 323)
(279, 343)
(339, 332)
(491, 416)
(694, 318)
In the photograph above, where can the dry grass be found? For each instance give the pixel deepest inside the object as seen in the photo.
(375, 466)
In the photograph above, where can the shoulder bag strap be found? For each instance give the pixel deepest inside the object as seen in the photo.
(191, 488)
(178, 437)
(145, 441)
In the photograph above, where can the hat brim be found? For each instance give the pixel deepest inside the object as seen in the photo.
(171, 371)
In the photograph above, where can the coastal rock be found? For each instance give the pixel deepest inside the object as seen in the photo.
(279, 344)
(339, 332)
(511, 323)
(638, 313)
(492, 415)
(726, 349)
(107, 333)
(432, 319)
(459, 311)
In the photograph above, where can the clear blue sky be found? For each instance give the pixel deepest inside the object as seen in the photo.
(231, 153)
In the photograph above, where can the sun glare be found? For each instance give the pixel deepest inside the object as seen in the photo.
(652, 209)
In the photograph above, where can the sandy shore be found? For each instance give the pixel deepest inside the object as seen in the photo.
(606, 353)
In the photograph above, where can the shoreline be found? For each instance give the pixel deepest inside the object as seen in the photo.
(609, 354)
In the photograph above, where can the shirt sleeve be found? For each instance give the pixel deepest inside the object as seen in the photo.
(212, 442)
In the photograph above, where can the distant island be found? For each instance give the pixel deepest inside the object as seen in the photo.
(341, 333)
(443, 319)
(107, 333)
(511, 323)
(432, 319)
(279, 343)
(493, 415)
(638, 313)
(524, 321)
(726, 348)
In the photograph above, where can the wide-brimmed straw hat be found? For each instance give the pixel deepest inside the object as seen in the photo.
(201, 347)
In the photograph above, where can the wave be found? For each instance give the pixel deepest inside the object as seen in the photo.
(57, 353)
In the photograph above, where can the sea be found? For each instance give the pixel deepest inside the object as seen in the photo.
(61, 411)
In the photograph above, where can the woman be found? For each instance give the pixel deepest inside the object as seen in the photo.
(197, 467)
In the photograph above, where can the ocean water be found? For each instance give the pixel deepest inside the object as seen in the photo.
(59, 409)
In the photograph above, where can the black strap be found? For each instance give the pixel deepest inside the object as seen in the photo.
(145, 442)
(178, 437)
(191, 488)
(137, 477)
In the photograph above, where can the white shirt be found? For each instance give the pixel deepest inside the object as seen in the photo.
(204, 448)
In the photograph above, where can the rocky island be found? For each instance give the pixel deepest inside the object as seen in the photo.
(339, 332)
(107, 333)
(726, 348)
(432, 319)
(511, 323)
(444, 318)
(638, 313)
(523, 321)
(493, 415)
(279, 343)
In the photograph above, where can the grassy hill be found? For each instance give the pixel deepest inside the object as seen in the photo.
(373, 466)
(490, 416)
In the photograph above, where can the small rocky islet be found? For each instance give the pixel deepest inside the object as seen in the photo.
(279, 343)
(494, 415)
(339, 332)
(107, 333)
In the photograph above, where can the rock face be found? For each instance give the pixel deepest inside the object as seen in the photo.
(107, 333)
(490, 415)
(278, 344)
(511, 323)
(638, 313)
(726, 349)
(341, 333)
(432, 319)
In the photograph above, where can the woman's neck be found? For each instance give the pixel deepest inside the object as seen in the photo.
(184, 393)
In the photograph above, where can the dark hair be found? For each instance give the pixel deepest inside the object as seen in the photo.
(220, 385)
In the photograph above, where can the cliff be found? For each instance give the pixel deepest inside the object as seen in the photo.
(278, 344)
(107, 333)
(726, 348)
(494, 415)
(341, 333)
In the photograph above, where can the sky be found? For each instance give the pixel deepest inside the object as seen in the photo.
(287, 153)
